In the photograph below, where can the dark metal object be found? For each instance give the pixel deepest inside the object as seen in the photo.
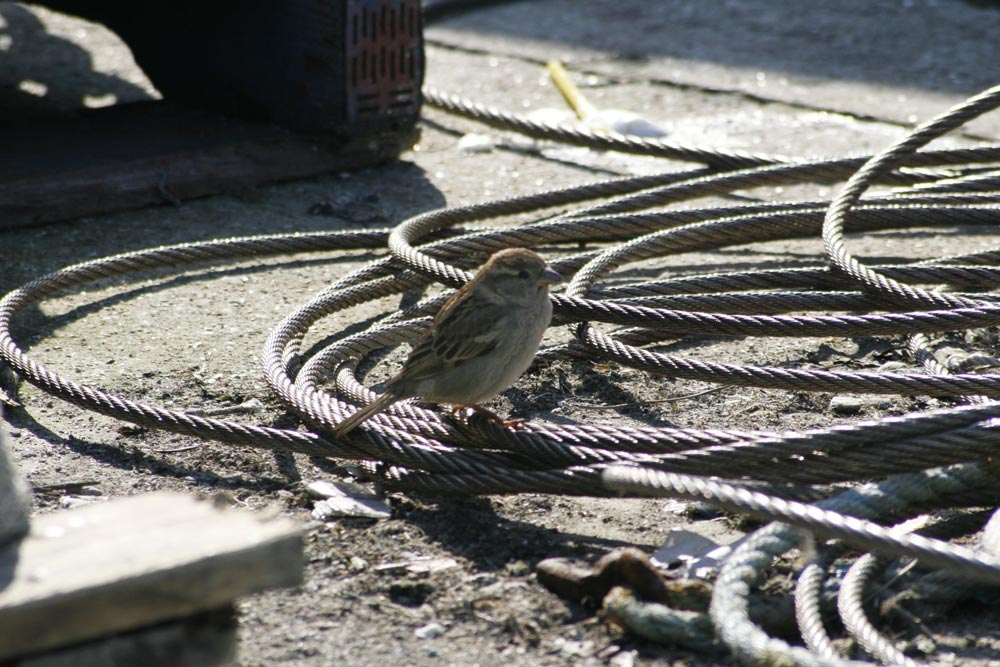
(314, 66)
(253, 92)
(628, 566)
(385, 60)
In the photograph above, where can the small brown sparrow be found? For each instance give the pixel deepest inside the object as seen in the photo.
(480, 341)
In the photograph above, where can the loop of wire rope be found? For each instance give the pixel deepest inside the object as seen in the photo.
(622, 222)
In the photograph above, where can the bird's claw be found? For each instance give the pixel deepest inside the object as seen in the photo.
(485, 413)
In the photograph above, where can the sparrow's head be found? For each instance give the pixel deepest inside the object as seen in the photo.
(517, 272)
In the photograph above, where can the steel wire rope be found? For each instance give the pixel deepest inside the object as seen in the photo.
(941, 584)
(850, 604)
(503, 206)
(850, 195)
(741, 635)
(420, 451)
(747, 564)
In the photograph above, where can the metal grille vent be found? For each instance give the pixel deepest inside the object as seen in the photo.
(384, 58)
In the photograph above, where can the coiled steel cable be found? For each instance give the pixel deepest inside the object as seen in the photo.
(416, 448)
(754, 556)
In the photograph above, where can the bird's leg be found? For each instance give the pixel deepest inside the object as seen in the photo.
(486, 413)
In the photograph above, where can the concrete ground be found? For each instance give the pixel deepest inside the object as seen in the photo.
(772, 76)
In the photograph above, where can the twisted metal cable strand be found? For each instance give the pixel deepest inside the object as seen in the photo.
(717, 228)
(733, 325)
(808, 615)
(318, 409)
(429, 223)
(607, 348)
(584, 137)
(892, 498)
(730, 601)
(169, 257)
(850, 603)
(858, 532)
(928, 462)
(939, 584)
(730, 605)
(202, 252)
(717, 159)
(804, 277)
(850, 599)
(690, 322)
(420, 451)
(828, 467)
(848, 197)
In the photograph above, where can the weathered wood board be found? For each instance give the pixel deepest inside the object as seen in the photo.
(129, 563)
(207, 639)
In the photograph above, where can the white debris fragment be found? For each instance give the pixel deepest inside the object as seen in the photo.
(682, 545)
(624, 122)
(71, 501)
(700, 556)
(432, 630)
(623, 659)
(345, 499)
(418, 565)
(323, 488)
(475, 143)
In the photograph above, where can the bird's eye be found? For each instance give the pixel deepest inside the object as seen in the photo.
(523, 275)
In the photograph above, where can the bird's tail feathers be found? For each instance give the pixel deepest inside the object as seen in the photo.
(379, 404)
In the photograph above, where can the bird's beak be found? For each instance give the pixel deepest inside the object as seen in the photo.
(550, 277)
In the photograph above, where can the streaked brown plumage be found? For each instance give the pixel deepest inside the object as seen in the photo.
(480, 341)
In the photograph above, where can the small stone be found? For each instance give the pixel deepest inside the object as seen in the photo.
(429, 565)
(517, 568)
(432, 630)
(418, 565)
(892, 367)
(925, 645)
(574, 648)
(846, 405)
(852, 404)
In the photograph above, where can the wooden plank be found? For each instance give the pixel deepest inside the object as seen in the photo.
(124, 564)
(15, 501)
(155, 153)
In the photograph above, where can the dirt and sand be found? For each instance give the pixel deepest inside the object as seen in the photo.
(191, 340)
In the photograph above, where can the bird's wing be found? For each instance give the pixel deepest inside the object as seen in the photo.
(469, 329)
